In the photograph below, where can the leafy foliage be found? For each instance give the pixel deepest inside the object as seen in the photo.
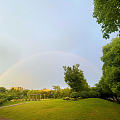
(84, 94)
(74, 77)
(74, 95)
(107, 13)
(94, 94)
(109, 85)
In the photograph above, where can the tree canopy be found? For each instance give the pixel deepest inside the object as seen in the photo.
(110, 81)
(107, 13)
(74, 77)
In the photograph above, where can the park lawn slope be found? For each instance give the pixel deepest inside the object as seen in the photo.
(85, 109)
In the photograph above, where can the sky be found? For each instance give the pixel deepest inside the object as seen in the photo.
(38, 37)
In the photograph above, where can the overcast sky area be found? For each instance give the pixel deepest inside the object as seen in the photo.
(38, 37)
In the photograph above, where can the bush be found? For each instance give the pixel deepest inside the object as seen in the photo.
(84, 94)
(9, 97)
(74, 95)
(66, 98)
(93, 94)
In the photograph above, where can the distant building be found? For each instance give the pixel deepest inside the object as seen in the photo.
(45, 90)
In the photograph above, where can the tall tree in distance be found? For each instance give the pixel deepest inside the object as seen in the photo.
(57, 91)
(74, 77)
(56, 87)
(107, 13)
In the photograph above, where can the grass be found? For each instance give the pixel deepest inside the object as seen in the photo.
(85, 109)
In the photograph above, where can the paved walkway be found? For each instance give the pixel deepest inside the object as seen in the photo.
(12, 105)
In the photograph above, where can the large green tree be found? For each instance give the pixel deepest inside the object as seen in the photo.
(107, 13)
(74, 77)
(111, 66)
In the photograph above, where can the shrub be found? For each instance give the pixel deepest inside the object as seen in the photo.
(66, 98)
(84, 94)
(74, 95)
(93, 94)
(9, 97)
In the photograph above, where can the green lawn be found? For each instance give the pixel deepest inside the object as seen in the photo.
(85, 109)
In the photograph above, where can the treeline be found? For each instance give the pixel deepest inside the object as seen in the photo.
(35, 95)
(18, 95)
(7, 95)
